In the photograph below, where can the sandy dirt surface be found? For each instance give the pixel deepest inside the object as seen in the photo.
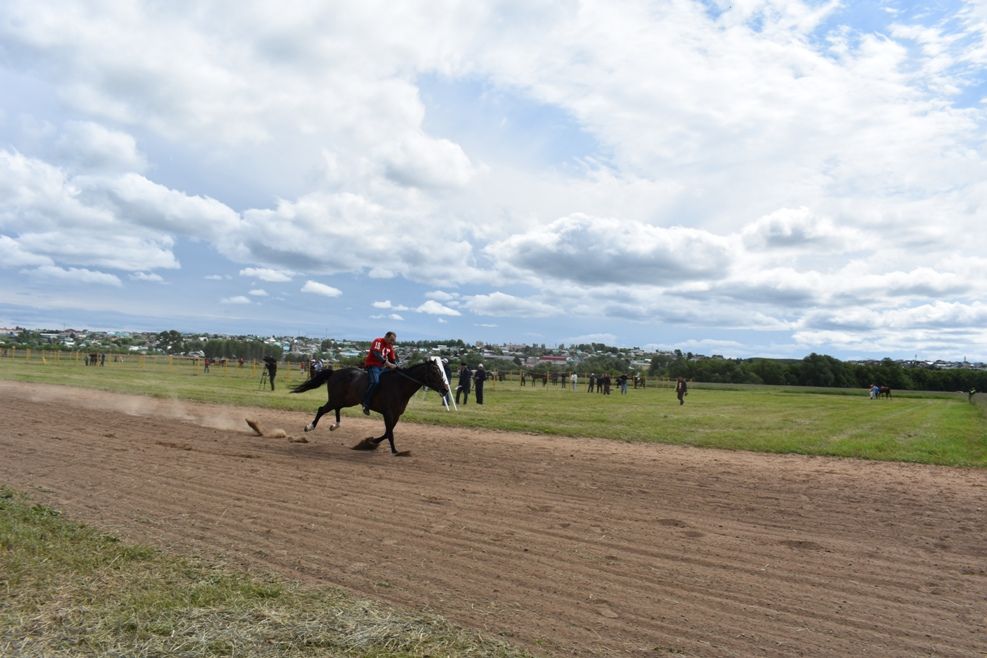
(563, 546)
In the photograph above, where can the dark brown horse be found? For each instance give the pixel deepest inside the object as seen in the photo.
(885, 391)
(347, 386)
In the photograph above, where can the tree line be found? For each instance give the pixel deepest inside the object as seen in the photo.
(817, 370)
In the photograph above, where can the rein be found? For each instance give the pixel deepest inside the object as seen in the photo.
(404, 373)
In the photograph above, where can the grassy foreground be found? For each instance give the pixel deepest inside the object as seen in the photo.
(932, 428)
(67, 590)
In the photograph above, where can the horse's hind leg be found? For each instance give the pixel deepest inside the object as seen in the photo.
(318, 414)
(338, 422)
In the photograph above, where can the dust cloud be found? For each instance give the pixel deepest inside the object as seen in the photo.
(219, 418)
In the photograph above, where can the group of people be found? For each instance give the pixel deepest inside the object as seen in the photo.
(602, 383)
(469, 379)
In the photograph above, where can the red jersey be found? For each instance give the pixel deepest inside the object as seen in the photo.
(380, 352)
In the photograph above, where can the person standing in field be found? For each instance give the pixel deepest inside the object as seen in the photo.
(681, 390)
(479, 377)
(465, 377)
(272, 369)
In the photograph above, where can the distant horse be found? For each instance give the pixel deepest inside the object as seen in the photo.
(347, 386)
(885, 391)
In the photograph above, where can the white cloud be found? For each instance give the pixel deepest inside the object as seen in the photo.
(712, 346)
(74, 276)
(235, 300)
(37, 196)
(92, 147)
(502, 304)
(76, 246)
(432, 307)
(137, 200)
(291, 234)
(12, 254)
(424, 162)
(316, 288)
(441, 296)
(267, 274)
(799, 228)
(257, 292)
(593, 250)
(144, 276)
(605, 338)
(386, 304)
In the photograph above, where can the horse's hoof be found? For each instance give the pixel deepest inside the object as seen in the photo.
(333, 428)
(309, 428)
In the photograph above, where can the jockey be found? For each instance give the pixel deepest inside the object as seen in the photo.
(381, 355)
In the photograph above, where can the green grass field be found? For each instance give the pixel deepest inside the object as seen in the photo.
(933, 428)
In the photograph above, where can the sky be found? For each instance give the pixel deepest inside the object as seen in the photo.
(745, 177)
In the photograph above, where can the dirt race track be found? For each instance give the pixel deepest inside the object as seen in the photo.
(563, 546)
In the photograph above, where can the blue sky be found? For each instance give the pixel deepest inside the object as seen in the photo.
(747, 178)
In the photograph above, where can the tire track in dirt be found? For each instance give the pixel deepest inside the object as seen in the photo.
(569, 547)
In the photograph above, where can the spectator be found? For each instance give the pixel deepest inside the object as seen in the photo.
(272, 369)
(465, 375)
(681, 390)
(479, 377)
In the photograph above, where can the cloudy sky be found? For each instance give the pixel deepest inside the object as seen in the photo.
(739, 177)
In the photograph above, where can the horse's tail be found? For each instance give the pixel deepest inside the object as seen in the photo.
(316, 381)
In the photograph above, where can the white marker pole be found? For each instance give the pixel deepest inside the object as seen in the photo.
(447, 399)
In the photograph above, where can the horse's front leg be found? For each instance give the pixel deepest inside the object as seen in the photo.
(338, 422)
(389, 435)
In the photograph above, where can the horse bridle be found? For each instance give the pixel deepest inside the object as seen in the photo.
(403, 373)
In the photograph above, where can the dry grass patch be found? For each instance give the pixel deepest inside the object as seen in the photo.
(68, 590)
